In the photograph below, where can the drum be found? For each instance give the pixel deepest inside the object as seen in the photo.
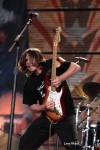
(98, 134)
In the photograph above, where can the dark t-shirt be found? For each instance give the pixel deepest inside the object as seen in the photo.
(34, 89)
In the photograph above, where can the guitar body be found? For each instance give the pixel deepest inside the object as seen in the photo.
(59, 112)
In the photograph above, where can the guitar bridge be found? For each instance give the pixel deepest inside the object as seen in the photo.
(57, 112)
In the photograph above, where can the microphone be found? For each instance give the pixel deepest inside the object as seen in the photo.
(82, 59)
(32, 14)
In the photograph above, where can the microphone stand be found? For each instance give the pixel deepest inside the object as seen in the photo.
(16, 42)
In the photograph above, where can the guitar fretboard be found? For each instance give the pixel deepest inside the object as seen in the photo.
(54, 60)
(53, 75)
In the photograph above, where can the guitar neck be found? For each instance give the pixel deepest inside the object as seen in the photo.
(53, 74)
(54, 61)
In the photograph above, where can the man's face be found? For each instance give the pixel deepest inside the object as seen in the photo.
(31, 63)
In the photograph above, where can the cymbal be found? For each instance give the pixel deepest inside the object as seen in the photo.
(79, 90)
(91, 89)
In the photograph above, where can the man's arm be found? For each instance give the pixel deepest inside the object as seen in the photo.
(49, 105)
(72, 70)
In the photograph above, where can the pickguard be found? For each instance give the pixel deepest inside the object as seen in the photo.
(56, 97)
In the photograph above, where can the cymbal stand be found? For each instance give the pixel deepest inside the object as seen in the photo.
(78, 109)
(98, 96)
(90, 115)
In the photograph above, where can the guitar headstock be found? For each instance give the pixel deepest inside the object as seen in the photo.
(57, 36)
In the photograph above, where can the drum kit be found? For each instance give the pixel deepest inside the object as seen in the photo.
(90, 133)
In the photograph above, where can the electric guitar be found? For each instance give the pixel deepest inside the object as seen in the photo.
(52, 92)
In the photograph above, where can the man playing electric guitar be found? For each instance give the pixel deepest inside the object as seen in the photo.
(46, 84)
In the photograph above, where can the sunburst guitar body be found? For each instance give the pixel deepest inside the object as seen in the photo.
(59, 111)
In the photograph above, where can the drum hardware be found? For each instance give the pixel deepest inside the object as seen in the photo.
(92, 90)
(96, 98)
(78, 109)
(86, 130)
(98, 134)
(90, 114)
(94, 127)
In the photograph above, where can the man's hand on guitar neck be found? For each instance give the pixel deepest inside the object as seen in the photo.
(56, 82)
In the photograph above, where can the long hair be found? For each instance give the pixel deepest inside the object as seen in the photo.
(35, 54)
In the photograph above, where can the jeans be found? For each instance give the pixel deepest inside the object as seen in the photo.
(39, 131)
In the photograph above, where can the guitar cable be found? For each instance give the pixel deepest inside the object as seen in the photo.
(51, 122)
